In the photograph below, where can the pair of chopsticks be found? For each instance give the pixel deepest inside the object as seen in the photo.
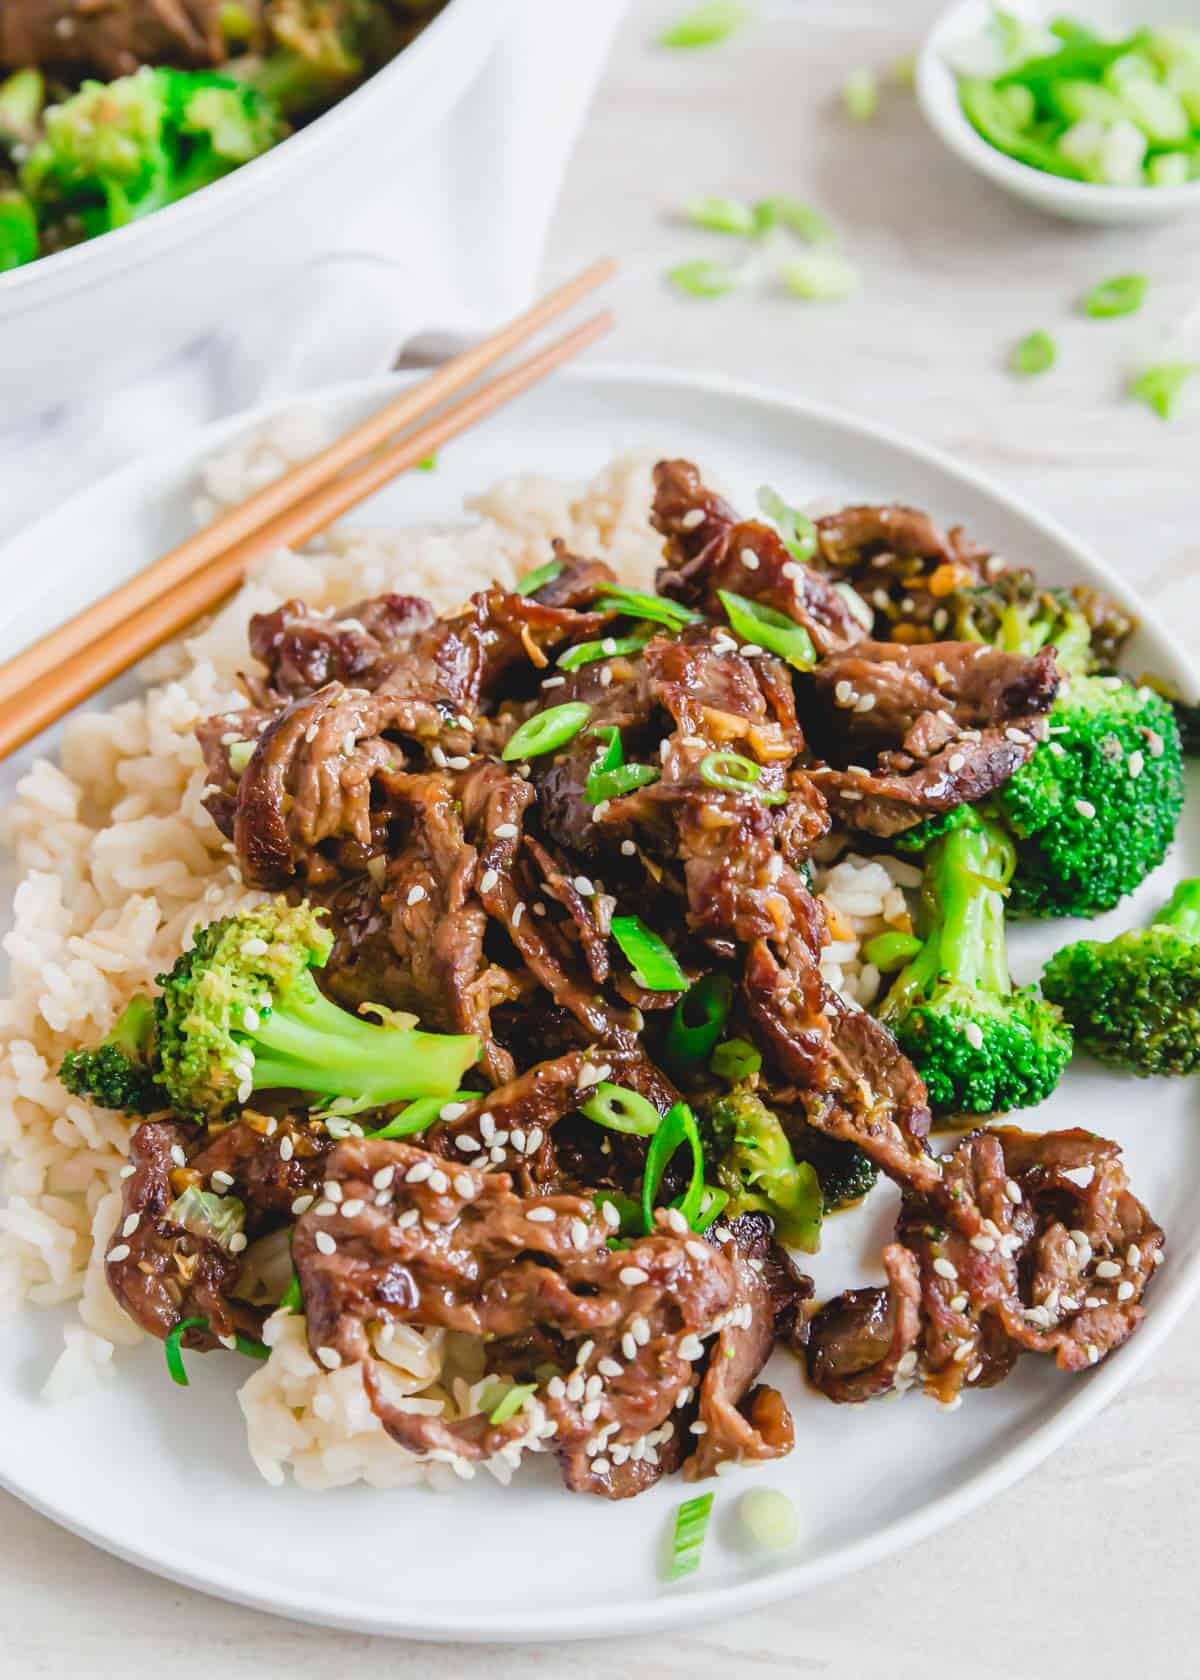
(41, 684)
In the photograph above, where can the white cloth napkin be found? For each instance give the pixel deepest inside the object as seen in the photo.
(482, 197)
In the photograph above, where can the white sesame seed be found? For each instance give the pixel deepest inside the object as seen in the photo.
(1124, 1290)
(468, 1144)
(132, 1221)
(1085, 808)
(554, 682)
(506, 831)
(221, 1180)
(973, 1033)
(453, 1110)
(583, 886)
(749, 559)
(120, 1252)
(610, 1215)
(697, 1250)
(1014, 734)
(575, 1386)
(628, 1346)
(540, 1215)
(1133, 1255)
(383, 1177)
(579, 1233)
(496, 1155)
(628, 849)
(324, 1210)
(631, 1275)
(326, 1243)
(407, 1218)
(329, 1357)
(959, 1303)
(1108, 1269)
(943, 1268)
(251, 1020)
(605, 677)
(534, 1140)
(843, 693)
(254, 947)
(692, 518)
(609, 1367)
(419, 1172)
(639, 1329)
(984, 1245)
(128, 1171)
(956, 761)
(518, 914)
(1159, 1257)
(237, 1242)
(286, 1149)
(1012, 1190)
(866, 703)
(1093, 1353)
(677, 1222)
(1137, 764)
(459, 762)
(586, 1350)
(438, 1182)
(690, 1347)
(975, 1371)
(556, 1388)
(1154, 743)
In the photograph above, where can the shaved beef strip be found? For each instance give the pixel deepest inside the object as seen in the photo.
(708, 549)
(159, 1272)
(113, 37)
(578, 583)
(1013, 1254)
(481, 1260)
(303, 650)
(266, 1161)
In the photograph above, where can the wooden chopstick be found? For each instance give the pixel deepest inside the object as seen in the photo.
(47, 656)
(45, 700)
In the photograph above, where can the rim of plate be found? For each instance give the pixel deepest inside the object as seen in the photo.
(673, 1607)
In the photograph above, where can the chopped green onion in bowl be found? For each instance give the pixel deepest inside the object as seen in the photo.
(800, 219)
(706, 25)
(819, 277)
(703, 278)
(723, 215)
(1161, 387)
(1124, 294)
(1035, 354)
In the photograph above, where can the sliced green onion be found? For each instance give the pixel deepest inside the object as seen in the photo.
(429, 464)
(174, 1352)
(687, 1541)
(1033, 355)
(291, 1300)
(762, 625)
(586, 653)
(797, 529)
(820, 277)
(651, 958)
(722, 215)
(798, 218)
(239, 755)
(534, 580)
(703, 278)
(712, 1204)
(512, 1402)
(621, 1110)
(902, 71)
(706, 25)
(418, 1116)
(769, 1517)
(614, 784)
(860, 95)
(545, 731)
(1124, 294)
(731, 770)
(654, 609)
(698, 1018)
(1161, 387)
(735, 1059)
(678, 1128)
(891, 951)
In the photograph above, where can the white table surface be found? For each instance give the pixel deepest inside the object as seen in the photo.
(1089, 1567)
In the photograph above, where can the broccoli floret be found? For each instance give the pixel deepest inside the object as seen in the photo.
(18, 229)
(116, 151)
(240, 1012)
(1134, 1001)
(316, 54)
(120, 1071)
(1096, 807)
(22, 96)
(760, 1173)
(1013, 613)
(981, 1045)
(846, 1173)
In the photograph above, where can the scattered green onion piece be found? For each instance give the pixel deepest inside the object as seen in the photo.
(419, 1115)
(429, 464)
(512, 1402)
(860, 95)
(902, 71)
(762, 625)
(240, 753)
(652, 609)
(1033, 355)
(687, 1541)
(621, 1110)
(735, 1059)
(722, 215)
(703, 278)
(533, 581)
(651, 958)
(174, 1352)
(820, 277)
(891, 951)
(585, 653)
(1124, 294)
(291, 1300)
(713, 1201)
(615, 784)
(612, 753)
(769, 1517)
(732, 770)
(800, 219)
(677, 1129)
(797, 529)
(698, 1019)
(545, 731)
(706, 25)
(1161, 387)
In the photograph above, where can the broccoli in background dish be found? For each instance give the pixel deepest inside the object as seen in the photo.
(760, 1172)
(1134, 1000)
(116, 151)
(240, 1012)
(981, 1045)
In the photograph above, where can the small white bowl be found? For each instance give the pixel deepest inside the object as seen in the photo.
(1078, 201)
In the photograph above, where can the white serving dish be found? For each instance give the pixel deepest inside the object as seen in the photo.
(1077, 201)
(160, 1476)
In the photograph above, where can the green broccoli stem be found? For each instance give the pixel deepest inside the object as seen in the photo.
(1181, 912)
(310, 1044)
(962, 906)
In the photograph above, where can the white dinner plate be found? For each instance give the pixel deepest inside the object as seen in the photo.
(161, 1476)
